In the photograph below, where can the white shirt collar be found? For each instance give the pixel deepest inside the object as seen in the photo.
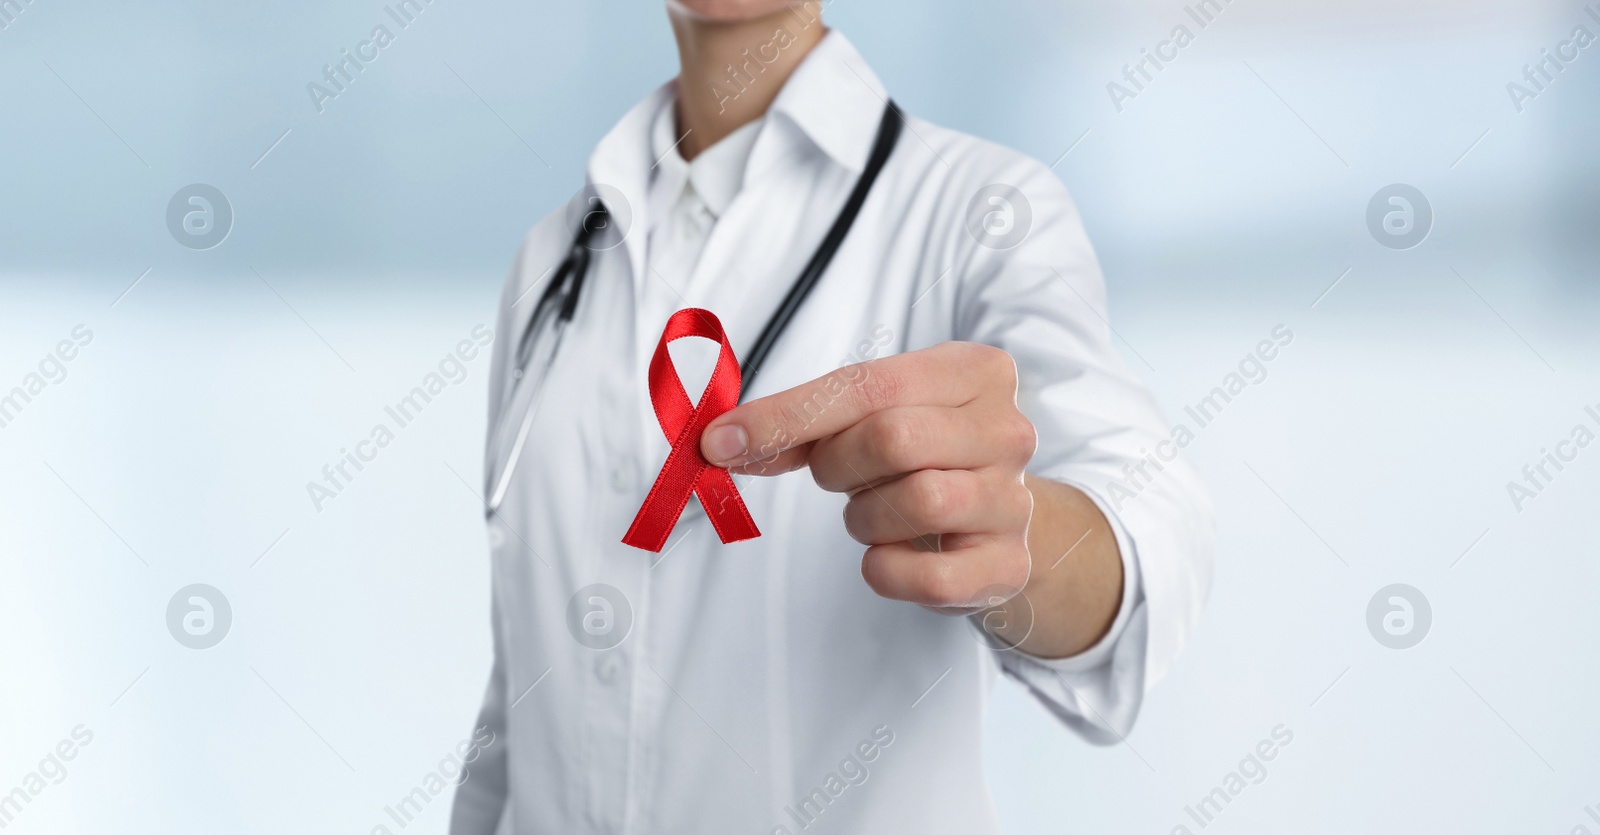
(716, 174)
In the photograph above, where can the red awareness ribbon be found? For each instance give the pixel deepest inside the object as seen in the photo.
(686, 470)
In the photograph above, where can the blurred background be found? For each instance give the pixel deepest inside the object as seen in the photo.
(1231, 195)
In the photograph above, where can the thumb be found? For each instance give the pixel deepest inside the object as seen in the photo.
(730, 442)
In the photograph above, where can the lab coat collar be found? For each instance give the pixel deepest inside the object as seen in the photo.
(622, 161)
(833, 98)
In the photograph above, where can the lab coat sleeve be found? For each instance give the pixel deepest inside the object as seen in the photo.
(1044, 301)
(480, 799)
(481, 796)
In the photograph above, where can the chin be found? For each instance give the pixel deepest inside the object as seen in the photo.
(731, 11)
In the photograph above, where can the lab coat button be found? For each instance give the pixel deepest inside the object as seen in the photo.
(608, 668)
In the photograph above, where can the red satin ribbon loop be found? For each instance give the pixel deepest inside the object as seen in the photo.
(686, 470)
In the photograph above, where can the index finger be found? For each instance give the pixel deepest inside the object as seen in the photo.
(762, 431)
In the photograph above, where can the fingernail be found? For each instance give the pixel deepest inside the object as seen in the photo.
(725, 445)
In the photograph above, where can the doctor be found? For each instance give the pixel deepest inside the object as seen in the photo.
(954, 472)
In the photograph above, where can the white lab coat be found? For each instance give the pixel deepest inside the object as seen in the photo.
(756, 678)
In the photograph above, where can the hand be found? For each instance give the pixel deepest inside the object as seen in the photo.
(931, 449)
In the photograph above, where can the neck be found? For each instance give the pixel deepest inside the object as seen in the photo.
(731, 71)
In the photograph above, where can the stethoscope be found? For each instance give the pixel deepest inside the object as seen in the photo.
(559, 302)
